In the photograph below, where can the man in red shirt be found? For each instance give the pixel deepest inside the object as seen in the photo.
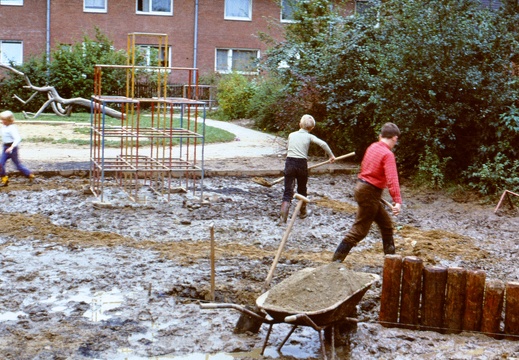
(377, 171)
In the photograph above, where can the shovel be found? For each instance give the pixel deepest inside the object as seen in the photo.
(264, 182)
(250, 323)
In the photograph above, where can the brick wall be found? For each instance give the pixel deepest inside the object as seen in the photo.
(25, 23)
(69, 24)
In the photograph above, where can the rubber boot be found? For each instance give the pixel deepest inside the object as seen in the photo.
(389, 246)
(5, 180)
(304, 212)
(283, 214)
(342, 251)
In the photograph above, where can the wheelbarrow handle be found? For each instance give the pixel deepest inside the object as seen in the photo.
(210, 306)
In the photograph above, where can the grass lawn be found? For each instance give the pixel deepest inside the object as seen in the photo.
(212, 134)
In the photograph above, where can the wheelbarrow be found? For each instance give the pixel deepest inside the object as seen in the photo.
(316, 297)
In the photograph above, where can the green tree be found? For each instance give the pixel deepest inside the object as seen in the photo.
(441, 70)
(72, 67)
(70, 71)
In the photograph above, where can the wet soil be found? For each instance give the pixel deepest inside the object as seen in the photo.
(84, 280)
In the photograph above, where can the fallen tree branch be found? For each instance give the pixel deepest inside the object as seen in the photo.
(59, 105)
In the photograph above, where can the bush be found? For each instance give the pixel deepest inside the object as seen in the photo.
(10, 85)
(234, 94)
(265, 104)
(431, 169)
(70, 72)
(441, 70)
(502, 173)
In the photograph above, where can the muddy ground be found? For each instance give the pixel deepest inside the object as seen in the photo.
(83, 280)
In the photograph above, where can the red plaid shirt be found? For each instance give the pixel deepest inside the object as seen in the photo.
(378, 167)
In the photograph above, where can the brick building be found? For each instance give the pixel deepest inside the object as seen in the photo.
(212, 35)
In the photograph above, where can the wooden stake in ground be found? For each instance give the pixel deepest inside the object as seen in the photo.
(512, 310)
(455, 299)
(492, 308)
(212, 262)
(433, 297)
(411, 289)
(474, 300)
(390, 297)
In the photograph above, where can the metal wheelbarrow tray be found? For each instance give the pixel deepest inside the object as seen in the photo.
(324, 295)
(317, 297)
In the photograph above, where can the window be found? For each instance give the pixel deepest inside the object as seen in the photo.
(152, 57)
(94, 5)
(242, 61)
(238, 9)
(362, 5)
(156, 7)
(11, 2)
(491, 4)
(287, 10)
(11, 52)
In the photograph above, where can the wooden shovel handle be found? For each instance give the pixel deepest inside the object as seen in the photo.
(327, 161)
(387, 203)
(301, 200)
(317, 165)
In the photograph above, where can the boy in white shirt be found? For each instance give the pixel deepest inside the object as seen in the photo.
(10, 138)
(296, 164)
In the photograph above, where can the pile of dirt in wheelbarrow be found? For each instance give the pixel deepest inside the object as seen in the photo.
(312, 290)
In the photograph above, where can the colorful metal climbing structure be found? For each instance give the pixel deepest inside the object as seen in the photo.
(152, 146)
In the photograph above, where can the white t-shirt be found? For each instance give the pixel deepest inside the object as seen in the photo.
(10, 135)
(299, 142)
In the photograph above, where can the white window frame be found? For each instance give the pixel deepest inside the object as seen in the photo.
(149, 11)
(146, 49)
(230, 68)
(247, 17)
(87, 7)
(18, 58)
(286, 4)
(12, 2)
(362, 5)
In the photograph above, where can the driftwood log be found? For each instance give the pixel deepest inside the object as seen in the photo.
(60, 106)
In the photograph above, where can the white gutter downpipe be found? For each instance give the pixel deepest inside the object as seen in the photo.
(195, 40)
(47, 40)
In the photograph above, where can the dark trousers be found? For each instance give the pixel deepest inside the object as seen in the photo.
(14, 157)
(370, 210)
(295, 170)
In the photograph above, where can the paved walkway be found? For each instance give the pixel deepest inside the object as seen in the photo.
(248, 143)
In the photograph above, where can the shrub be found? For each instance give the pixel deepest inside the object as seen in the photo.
(502, 173)
(234, 94)
(431, 169)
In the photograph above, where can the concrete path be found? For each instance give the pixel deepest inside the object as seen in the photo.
(248, 143)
